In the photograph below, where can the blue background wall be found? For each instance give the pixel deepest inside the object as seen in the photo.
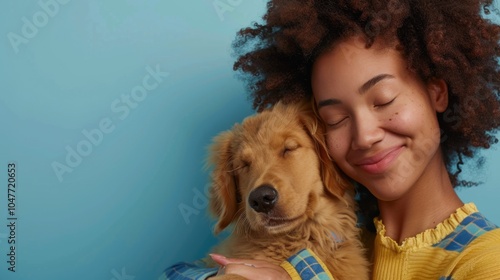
(108, 154)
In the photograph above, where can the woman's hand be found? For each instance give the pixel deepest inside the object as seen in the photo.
(250, 269)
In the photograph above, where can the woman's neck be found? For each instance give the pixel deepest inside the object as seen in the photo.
(430, 201)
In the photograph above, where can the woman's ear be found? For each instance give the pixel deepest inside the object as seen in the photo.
(438, 92)
(223, 193)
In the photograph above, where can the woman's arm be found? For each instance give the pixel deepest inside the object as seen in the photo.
(303, 265)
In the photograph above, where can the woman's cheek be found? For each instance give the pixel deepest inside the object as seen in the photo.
(401, 119)
(338, 146)
(396, 120)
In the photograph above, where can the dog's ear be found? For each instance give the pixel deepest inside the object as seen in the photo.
(223, 192)
(334, 180)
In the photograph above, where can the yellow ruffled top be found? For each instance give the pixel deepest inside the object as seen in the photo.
(428, 237)
(451, 250)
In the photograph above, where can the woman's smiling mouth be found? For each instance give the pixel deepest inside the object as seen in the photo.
(380, 162)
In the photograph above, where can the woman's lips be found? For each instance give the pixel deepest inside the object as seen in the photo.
(380, 162)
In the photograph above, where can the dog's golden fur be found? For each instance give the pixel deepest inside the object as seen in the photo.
(284, 147)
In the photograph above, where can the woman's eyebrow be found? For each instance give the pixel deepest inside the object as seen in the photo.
(328, 102)
(373, 81)
(364, 88)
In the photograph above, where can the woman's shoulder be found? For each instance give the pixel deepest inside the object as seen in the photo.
(479, 259)
(475, 245)
(473, 227)
(476, 228)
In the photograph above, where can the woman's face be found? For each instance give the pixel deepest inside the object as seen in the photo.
(382, 126)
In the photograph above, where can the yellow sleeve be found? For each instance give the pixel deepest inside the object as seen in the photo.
(290, 270)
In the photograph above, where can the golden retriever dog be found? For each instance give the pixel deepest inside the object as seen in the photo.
(274, 184)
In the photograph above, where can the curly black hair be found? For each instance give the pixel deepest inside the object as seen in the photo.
(446, 39)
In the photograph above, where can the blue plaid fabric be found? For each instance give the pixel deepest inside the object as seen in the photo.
(469, 229)
(307, 266)
(188, 271)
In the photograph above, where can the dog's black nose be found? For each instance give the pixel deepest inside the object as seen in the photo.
(263, 198)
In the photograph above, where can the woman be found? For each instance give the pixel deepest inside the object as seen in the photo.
(407, 90)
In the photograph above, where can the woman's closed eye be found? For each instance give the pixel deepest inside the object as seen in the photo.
(336, 122)
(384, 104)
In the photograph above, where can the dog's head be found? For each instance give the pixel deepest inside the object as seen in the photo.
(269, 172)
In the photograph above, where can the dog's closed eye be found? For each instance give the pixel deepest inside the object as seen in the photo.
(242, 163)
(290, 146)
(241, 166)
(241, 159)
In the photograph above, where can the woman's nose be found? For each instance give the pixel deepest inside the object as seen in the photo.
(366, 132)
